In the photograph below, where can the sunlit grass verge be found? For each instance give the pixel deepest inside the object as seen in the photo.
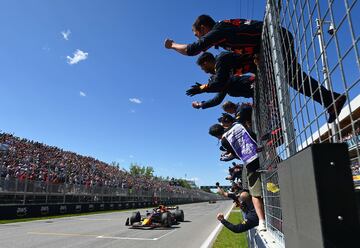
(64, 216)
(228, 239)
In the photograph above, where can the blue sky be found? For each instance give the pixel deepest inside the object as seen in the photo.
(106, 87)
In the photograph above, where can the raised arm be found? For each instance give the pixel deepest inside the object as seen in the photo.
(210, 103)
(180, 48)
(242, 227)
(212, 38)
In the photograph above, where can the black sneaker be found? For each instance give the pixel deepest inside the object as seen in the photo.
(339, 104)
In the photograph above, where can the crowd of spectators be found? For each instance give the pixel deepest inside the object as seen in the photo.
(355, 169)
(353, 139)
(29, 160)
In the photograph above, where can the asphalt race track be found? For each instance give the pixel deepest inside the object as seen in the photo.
(108, 230)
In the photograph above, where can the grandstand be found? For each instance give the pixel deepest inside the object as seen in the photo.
(346, 125)
(34, 174)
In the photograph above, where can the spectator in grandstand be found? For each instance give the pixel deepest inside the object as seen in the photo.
(355, 169)
(224, 79)
(357, 130)
(29, 160)
(240, 141)
(250, 218)
(244, 37)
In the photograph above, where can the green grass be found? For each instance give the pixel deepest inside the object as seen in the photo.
(228, 239)
(63, 216)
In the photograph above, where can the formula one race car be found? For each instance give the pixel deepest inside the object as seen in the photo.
(159, 217)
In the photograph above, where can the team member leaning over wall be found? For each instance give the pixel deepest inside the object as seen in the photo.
(238, 140)
(250, 217)
(244, 37)
(241, 111)
(226, 78)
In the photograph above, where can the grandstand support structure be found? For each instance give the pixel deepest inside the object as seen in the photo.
(324, 48)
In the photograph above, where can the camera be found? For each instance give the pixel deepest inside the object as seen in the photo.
(331, 29)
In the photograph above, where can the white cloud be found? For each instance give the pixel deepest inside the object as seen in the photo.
(132, 111)
(78, 56)
(66, 34)
(82, 93)
(135, 100)
(131, 156)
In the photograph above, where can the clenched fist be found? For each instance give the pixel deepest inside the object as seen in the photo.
(168, 43)
(220, 216)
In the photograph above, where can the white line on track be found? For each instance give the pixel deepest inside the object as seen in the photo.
(25, 222)
(212, 235)
(165, 234)
(90, 235)
(63, 234)
(95, 219)
(125, 238)
(99, 236)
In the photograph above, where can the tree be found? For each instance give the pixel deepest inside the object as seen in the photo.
(183, 183)
(206, 189)
(142, 170)
(135, 169)
(149, 171)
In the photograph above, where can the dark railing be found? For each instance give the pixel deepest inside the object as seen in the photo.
(13, 190)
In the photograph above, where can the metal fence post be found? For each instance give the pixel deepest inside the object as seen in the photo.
(325, 69)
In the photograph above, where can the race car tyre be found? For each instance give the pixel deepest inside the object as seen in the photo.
(135, 217)
(166, 219)
(179, 215)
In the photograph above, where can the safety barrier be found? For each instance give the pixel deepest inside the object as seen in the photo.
(38, 198)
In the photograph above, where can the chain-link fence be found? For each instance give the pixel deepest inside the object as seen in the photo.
(308, 86)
